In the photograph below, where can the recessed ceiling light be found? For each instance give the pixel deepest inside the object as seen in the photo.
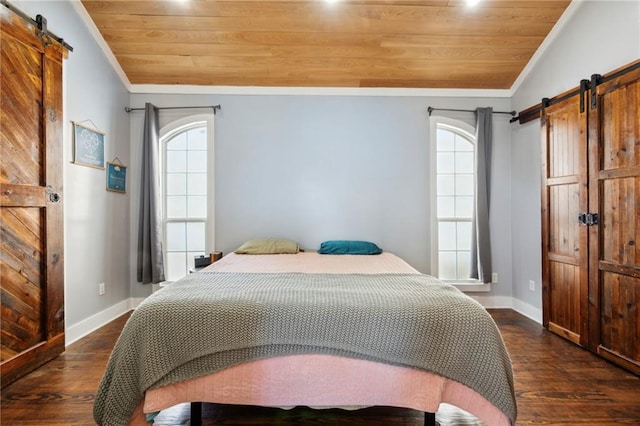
(471, 3)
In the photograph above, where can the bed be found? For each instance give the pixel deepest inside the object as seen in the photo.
(270, 330)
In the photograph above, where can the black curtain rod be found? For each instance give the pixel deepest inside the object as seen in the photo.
(215, 107)
(40, 22)
(431, 109)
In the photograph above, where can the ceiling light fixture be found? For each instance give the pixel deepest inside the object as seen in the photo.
(471, 3)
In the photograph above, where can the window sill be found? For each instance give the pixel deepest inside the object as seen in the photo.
(471, 287)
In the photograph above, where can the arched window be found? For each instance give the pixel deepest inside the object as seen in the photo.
(453, 176)
(187, 191)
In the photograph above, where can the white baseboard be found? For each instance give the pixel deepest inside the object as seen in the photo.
(135, 301)
(77, 331)
(503, 302)
(528, 310)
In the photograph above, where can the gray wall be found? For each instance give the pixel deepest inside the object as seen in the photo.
(96, 225)
(313, 168)
(600, 37)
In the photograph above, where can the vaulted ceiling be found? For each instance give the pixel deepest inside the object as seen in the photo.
(318, 43)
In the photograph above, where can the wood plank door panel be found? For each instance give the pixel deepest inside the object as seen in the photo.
(31, 215)
(564, 196)
(615, 189)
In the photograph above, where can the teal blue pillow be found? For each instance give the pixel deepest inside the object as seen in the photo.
(349, 247)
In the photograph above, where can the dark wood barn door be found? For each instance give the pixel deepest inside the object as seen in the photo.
(614, 139)
(591, 215)
(31, 216)
(564, 196)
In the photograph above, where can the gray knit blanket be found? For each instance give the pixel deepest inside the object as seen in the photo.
(210, 321)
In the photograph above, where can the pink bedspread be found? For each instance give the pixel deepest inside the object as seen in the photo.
(312, 263)
(320, 381)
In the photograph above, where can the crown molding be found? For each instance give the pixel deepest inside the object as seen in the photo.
(315, 91)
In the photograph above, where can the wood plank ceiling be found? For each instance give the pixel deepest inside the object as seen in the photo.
(348, 43)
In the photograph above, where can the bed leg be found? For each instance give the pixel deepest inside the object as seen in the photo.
(196, 414)
(429, 419)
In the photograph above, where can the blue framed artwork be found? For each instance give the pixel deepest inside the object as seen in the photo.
(116, 177)
(88, 146)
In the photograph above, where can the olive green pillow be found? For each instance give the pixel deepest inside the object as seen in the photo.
(268, 246)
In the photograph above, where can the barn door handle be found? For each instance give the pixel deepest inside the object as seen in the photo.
(55, 197)
(588, 219)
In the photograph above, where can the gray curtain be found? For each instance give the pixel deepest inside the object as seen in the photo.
(150, 260)
(480, 243)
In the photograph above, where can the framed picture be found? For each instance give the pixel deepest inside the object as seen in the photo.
(116, 177)
(88, 146)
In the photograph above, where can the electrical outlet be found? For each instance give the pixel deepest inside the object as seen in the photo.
(532, 285)
(101, 289)
(494, 277)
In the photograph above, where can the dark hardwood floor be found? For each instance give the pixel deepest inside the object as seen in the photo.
(557, 384)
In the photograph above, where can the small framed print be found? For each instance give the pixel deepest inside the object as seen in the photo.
(88, 146)
(116, 177)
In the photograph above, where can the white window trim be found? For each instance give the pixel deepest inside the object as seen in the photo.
(464, 285)
(173, 127)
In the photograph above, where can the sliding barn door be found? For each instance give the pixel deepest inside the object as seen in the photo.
(31, 239)
(564, 239)
(615, 191)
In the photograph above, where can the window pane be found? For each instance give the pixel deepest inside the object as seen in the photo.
(447, 265)
(463, 144)
(447, 235)
(463, 235)
(197, 161)
(463, 267)
(464, 162)
(197, 183)
(464, 185)
(446, 207)
(176, 266)
(178, 142)
(455, 192)
(446, 184)
(464, 207)
(198, 139)
(176, 236)
(176, 161)
(176, 184)
(195, 236)
(446, 162)
(176, 207)
(185, 186)
(444, 139)
(197, 207)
